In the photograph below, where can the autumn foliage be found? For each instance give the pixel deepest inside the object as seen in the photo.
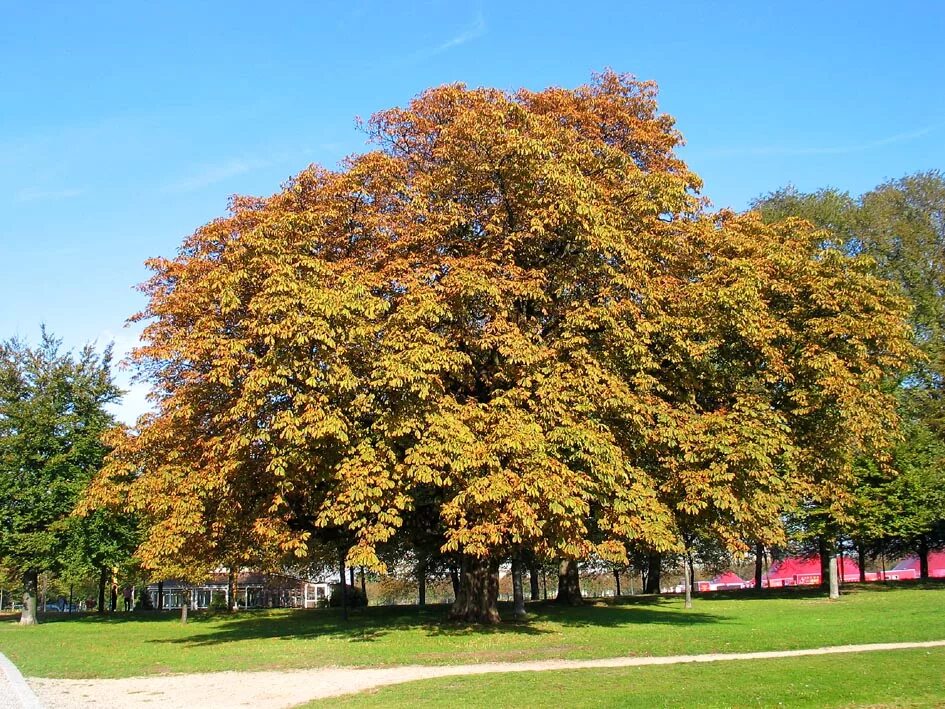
(517, 312)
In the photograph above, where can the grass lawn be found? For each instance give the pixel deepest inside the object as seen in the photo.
(152, 643)
(900, 678)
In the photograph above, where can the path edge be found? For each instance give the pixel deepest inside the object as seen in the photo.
(22, 691)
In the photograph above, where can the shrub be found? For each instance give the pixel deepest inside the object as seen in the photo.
(217, 601)
(356, 598)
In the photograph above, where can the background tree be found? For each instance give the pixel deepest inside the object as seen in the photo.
(901, 226)
(52, 417)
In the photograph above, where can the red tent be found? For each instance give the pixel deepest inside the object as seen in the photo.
(936, 564)
(729, 578)
(805, 571)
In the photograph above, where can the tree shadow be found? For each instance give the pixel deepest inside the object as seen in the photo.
(374, 623)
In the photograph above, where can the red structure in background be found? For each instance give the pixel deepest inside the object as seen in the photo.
(805, 571)
(911, 564)
(727, 582)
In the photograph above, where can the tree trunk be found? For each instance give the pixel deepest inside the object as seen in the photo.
(533, 581)
(824, 562)
(454, 579)
(518, 589)
(861, 557)
(923, 557)
(834, 583)
(478, 592)
(160, 603)
(569, 584)
(687, 580)
(422, 582)
(344, 584)
(102, 576)
(759, 565)
(363, 586)
(617, 581)
(692, 573)
(653, 574)
(184, 604)
(113, 601)
(28, 615)
(232, 590)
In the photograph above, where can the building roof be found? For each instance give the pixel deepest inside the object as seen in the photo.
(729, 577)
(936, 562)
(808, 566)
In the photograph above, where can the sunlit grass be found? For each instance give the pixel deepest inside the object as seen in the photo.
(152, 643)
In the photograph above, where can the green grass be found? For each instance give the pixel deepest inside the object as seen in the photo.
(142, 644)
(898, 678)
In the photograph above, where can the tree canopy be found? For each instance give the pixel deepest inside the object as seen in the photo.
(52, 418)
(516, 311)
(900, 225)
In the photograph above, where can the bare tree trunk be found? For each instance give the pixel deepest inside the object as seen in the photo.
(824, 556)
(692, 572)
(518, 589)
(687, 580)
(28, 615)
(569, 583)
(617, 581)
(232, 590)
(759, 563)
(422, 582)
(454, 580)
(478, 594)
(533, 582)
(102, 576)
(184, 604)
(344, 584)
(160, 603)
(363, 586)
(861, 557)
(654, 562)
(834, 582)
(923, 557)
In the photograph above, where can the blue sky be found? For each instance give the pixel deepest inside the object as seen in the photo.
(124, 126)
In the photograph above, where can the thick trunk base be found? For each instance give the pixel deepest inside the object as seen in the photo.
(478, 592)
(534, 583)
(759, 566)
(569, 584)
(518, 590)
(654, 561)
(28, 615)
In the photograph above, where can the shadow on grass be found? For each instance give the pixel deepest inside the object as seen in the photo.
(372, 624)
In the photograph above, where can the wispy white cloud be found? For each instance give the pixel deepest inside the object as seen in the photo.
(208, 175)
(475, 30)
(37, 195)
(791, 151)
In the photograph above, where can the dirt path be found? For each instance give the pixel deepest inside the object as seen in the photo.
(277, 690)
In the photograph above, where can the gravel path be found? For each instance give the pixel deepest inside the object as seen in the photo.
(14, 692)
(277, 690)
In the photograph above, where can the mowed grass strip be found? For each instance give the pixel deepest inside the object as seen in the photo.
(124, 645)
(913, 678)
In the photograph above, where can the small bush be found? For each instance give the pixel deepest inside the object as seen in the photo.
(144, 600)
(218, 601)
(356, 599)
